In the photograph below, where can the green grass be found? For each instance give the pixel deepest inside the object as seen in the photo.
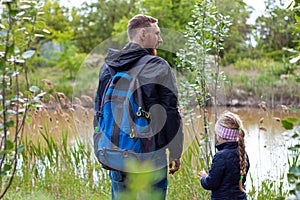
(58, 164)
(73, 177)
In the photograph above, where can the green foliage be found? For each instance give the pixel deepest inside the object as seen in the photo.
(293, 125)
(56, 19)
(61, 170)
(252, 64)
(77, 174)
(186, 180)
(139, 184)
(275, 31)
(237, 44)
(69, 60)
(94, 22)
(269, 189)
(175, 17)
(201, 58)
(264, 79)
(39, 195)
(264, 65)
(261, 86)
(20, 28)
(294, 166)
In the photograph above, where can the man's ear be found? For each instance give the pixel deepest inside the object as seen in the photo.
(142, 34)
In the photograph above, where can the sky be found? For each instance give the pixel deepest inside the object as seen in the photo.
(258, 6)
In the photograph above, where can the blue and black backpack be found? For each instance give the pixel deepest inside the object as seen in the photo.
(123, 131)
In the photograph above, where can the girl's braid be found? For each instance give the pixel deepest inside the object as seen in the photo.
(242, 155)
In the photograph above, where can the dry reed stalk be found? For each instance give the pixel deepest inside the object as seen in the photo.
(48, 83)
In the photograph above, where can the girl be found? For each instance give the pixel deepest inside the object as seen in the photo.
(230, 164)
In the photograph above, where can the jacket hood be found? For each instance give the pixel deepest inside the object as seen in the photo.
(124, 59)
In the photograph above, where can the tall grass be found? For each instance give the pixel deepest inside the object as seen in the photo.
(55, 163)
(58, 163)
(75, 174)
(62, 171)
(185, 183)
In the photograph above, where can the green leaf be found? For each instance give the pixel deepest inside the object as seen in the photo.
(294, 110)
(7, 167)
(296, 136)
(9, 144)
(294, 170)
(13, 12)
(27, 92)
(2, 65)
(9, 124)
(287, 125)
(3, 33)
(7, 1)
(28, 121)
(292, 119)
(28, 54)
(20, 148)
(11, 49)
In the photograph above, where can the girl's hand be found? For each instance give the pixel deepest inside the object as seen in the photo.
(201, 174)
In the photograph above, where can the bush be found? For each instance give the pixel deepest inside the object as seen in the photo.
(265, 65)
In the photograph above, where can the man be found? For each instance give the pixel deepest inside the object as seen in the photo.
(159, 94)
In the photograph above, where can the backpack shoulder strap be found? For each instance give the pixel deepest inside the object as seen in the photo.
(139, 65)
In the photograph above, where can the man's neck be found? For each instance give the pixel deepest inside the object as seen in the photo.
(138, 43)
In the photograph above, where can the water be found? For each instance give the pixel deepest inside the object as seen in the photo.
(266, 147)
(265, 140)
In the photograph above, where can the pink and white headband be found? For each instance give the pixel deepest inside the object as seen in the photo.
(227, 133)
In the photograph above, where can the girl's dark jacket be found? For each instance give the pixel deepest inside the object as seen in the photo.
(159, 88)
(223, 177)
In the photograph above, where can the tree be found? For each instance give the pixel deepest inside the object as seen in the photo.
(94, 22)
(173, 16)
(69, 59)
(274, 31)
(57, 21)
(18, 31)
(237, 44)
(205, 34)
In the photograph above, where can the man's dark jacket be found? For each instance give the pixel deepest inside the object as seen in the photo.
(224, 175)
(159, 88)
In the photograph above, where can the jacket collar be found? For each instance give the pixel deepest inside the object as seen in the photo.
(227, 145)
(124, 59)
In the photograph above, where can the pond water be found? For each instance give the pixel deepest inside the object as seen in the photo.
(265, 140)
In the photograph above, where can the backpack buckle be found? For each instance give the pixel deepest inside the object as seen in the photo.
(143, 113)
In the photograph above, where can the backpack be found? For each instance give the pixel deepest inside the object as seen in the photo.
(123, 131)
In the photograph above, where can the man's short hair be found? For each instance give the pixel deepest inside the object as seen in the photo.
(137, 22)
